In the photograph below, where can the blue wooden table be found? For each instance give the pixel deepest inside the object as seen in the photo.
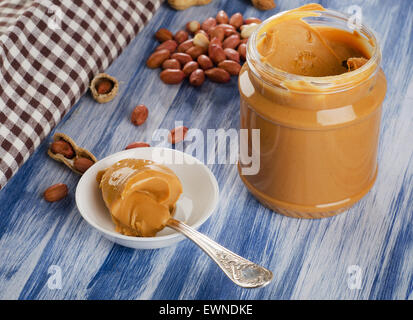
(364, 253)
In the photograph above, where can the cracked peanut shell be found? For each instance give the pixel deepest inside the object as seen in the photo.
(105, 96)
(78, 152)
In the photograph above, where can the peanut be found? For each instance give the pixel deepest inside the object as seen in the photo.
(197, 77)
(104, 86)
(228, 29)
(170, 45)
(231, 42)
(193, 26)
(55, 192)
(208, 24)
(203, 32)
(64, 148)
(205, 62)
(215, 41)
(157, 58)
(217, 32)
(232, 67)
(190, 67)
(81, 164)
(216, 53)
(218, 75)
(163, 34)
(177, 135)
(172, 76)
(219, 41)
(171, 64)
(242, 50)
(248, 29)
(252, 20)
(185, 4)
(263, 4)
(182, 57)
(196, 51)
(222, 17)
(236, 20)
(185, 45)
(201, 40)
(232, 54)
(137, 144)
(181, 36)
(139, 114)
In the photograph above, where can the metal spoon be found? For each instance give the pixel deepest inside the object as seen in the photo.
(241, 271)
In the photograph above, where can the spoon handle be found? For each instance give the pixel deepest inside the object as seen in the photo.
(241, 271)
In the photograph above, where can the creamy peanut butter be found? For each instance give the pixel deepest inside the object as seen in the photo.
(292, 45)
(314, 89)
(140, 195)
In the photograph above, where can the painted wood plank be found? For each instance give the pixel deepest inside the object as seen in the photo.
(310, 259)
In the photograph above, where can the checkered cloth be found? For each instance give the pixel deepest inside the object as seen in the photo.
(49, 52)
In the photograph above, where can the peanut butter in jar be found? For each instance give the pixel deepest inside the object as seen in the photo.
(314, 88)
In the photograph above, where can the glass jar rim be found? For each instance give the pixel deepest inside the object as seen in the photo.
(373, 62)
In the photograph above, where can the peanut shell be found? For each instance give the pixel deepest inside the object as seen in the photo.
(79, 152)
(102, 98)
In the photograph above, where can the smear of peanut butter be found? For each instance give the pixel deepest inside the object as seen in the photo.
(140, 195)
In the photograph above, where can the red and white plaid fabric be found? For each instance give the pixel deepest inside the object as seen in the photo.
(49, 52)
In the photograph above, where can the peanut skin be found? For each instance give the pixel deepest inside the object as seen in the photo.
(64, 148)
(81, 164)
(232, 67)
(197, 78)
(216, 53)
(55, 192)
(182, 57)
(172, 76)
(177, 134)
(205, 62)
(218, 75)
(236, 20)
(157, 58)
(163, 34)
(222, 17)
(137, 144)
(232, 54)
(208, 24)
(181, 36)
(231, 41)
(139, 115)
(185, 45)
(190, 67)
(171, 64)
(171, 45)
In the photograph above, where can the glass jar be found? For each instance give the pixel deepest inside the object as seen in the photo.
(318, 135)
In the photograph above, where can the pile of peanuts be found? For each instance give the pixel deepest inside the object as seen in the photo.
(214, 48)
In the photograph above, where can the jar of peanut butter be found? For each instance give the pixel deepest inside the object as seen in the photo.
(313, 87)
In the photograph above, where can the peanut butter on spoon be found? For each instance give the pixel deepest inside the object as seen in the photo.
(140, 195)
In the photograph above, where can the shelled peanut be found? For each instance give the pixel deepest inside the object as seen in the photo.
(55, 192)
(214, 48)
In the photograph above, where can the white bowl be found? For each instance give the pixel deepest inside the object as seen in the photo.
(196, 204)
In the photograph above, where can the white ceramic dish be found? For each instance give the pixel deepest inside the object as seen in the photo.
(195, 206)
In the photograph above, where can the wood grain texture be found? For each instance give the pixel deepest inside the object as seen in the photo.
(309, 258)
